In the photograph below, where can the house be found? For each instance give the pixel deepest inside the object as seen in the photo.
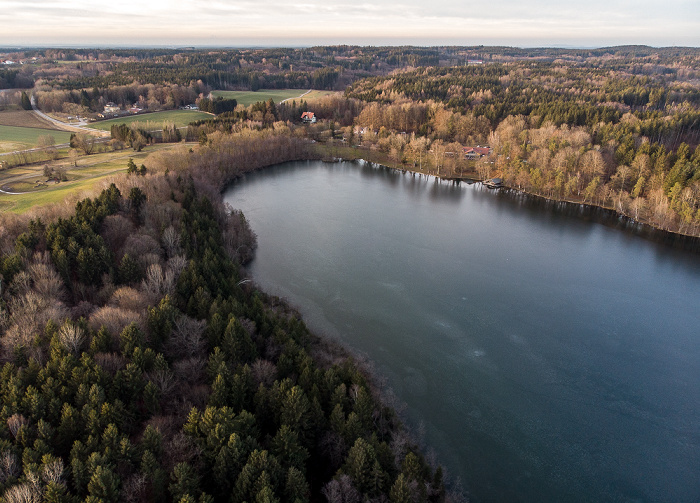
(111, 108)
(476, 152)
(493, 183)
(308, 117)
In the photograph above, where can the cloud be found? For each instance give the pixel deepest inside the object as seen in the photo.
(511, 22)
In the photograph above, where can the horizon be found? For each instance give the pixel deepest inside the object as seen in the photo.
(540, 23)
(253, 47)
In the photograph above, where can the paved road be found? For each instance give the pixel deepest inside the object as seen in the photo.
(65, 126)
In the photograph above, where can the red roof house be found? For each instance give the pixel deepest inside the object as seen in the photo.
(308, 117)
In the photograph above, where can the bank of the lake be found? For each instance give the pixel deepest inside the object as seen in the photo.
(351, 154)
(549, 357)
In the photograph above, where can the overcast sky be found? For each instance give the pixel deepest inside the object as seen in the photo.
(592, 23)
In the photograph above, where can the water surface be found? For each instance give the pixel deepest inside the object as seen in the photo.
(548, 357)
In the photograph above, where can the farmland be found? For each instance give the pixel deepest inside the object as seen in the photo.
(247, 98)
(18, 138)
(24, 118)
(155, 120)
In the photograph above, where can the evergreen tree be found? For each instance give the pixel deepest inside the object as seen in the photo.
(25, 101)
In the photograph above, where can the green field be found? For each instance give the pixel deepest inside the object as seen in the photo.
(247, 98)
(155, 120)
(17, 138)
(90, 171)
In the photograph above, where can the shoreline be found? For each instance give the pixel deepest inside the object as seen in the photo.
(638, 227)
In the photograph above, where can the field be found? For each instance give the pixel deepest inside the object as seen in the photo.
(90, 171)
(247, 98)
(155, 120)
(24, 118)
(19, 138)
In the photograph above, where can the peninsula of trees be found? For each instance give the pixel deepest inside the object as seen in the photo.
(138, 364)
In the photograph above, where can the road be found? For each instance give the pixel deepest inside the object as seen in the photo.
(300, 96)
(65, 126)
(59, 145)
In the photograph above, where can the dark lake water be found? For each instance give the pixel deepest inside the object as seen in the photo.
(548, 357)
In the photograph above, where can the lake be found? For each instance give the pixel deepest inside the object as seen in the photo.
(545, 354)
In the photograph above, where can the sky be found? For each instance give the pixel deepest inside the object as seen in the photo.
(293, 23)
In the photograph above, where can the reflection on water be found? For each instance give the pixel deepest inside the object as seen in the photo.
(550, 350)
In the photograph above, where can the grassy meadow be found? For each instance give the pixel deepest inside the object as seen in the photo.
(18, 138)
(90, 171)
(247, 98)
(155, 120)
(24, 118)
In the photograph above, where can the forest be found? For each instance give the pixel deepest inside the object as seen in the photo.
(139, 364)
(615, 127)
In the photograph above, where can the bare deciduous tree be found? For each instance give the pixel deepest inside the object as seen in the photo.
(134, 488)
(129, 298)
(72, 337)
(186, 339)
(23, 493)
(53, 471)
(177, 264)
(189, 369)
(341, 490)
(9, 465)
(156, 285)
(164, 381)
(171, 241)
(264, 372)
(28, 315)
(110, 362)
(15, 422)
(114, 319)
(140, 246)
(84, 142)
(116, 229)
(46, 281)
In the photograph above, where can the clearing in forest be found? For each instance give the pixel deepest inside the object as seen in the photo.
(247, 98)
(32, 187)
(154, 121)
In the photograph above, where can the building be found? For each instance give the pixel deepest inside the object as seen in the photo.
(111, 108)
(308, 117)
(476, 152)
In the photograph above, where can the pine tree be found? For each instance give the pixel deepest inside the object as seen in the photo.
(104, 485)
(26, 102)
(185, 481)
